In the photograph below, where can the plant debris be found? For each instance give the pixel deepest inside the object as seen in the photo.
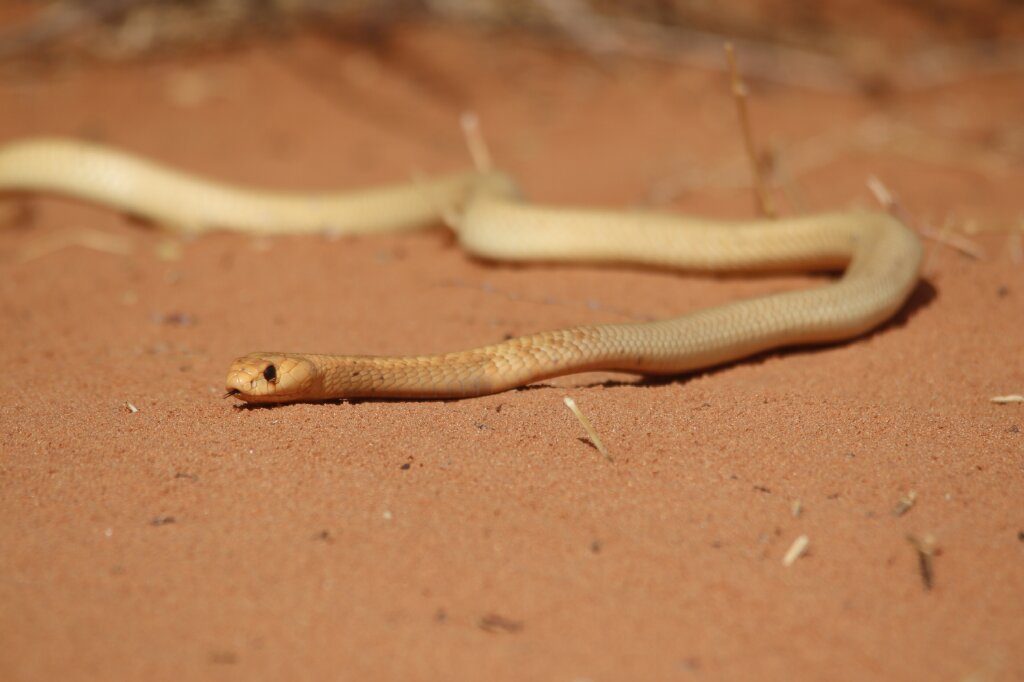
(588, 427)
(493, 622)
(926, 551)
(905, 503)
(796, 550)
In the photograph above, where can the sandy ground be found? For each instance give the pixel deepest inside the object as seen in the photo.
(487, 539)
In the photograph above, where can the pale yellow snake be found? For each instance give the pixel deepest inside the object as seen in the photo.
(881, 259)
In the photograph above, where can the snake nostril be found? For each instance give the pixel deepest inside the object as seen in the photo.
(270, 373)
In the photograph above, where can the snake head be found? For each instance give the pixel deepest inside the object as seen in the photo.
(272, 378)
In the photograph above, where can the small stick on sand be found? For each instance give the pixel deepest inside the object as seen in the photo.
(478, 150)
(83, 237)
(890, 203)
(954, 241)
(925, 548)
(739, 94)
(886, 198)
(905, 503)
(591, 433)
(796, 508)
(1007, 399)
(796, 550)
(131, 408)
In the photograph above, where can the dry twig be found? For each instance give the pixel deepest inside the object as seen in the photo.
(890, 203)
(84, 237)
(875, 134)
(588, 427)
(925, 548)
(796, 550)
(952, 240)
(739, 94)
(905, 503)
(478, 149)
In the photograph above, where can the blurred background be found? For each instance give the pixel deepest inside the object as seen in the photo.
(921, 91)
(874, 44)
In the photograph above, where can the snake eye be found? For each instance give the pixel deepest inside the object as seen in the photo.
(270, 373)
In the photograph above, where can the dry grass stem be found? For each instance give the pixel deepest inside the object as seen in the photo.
(796, 508)
(796, 550)
(925, 548)
(588, 427)
(1007, 399)
(905, 503)
(87, 238)
(884, 197)
(888, 200)
(954, 241)
(875, 134)
(739, 94)
(478, 150)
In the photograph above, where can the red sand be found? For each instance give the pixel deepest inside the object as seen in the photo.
(486, 539)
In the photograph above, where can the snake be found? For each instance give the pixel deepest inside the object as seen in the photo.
(879, 258)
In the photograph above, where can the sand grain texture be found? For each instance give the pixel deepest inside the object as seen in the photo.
(486, 538)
